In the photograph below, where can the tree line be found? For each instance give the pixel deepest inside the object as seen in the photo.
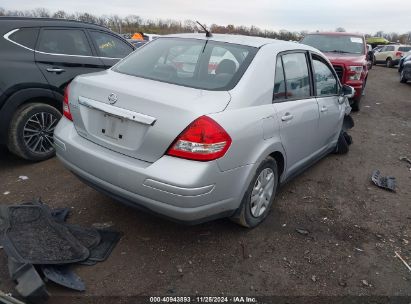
(134, 23)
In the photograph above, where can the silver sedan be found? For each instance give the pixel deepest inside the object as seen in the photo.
(196, 128)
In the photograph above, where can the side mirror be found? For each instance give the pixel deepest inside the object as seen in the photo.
(348, 91)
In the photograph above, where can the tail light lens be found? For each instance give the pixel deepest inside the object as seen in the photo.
(398, 54)
(203, 140)
(66, 107)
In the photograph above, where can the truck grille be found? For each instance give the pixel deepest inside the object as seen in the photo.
(340, 71)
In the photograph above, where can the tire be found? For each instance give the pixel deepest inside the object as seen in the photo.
(31, 129)
(249, 215)
(344, 140)
(388, 63)
(355, 106)
(374, 61)
(402, 77)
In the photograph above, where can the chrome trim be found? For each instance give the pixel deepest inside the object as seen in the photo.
(116, 111)
(6, 36)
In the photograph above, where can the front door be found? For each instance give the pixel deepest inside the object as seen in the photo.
(331, 110)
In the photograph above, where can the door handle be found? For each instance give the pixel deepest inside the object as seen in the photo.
(287, 116)
(55, 70)
(324, 109)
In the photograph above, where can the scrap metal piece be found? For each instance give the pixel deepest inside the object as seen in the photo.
(63, 275)
(29, 283)
(384, 182)
(8, 299)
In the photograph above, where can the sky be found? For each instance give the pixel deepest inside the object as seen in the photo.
(364, 16)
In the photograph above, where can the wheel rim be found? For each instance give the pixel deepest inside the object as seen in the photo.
(388, 63)
(38, 132)
(262, 192)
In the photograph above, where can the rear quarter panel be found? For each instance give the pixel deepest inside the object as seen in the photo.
(250, 118)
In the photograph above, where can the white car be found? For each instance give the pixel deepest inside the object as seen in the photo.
(391, 54)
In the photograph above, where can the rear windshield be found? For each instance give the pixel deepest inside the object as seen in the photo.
(335, 43)
(404, 48)
(195, 63)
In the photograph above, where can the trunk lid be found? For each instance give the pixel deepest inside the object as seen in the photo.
(137, 117)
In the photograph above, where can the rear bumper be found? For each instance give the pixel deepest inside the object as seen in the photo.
(186, 191)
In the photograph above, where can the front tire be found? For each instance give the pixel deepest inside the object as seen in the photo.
(402, 77)
(259, 197)
(31, 130)
(388, 63)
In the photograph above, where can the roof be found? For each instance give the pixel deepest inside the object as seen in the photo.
(34, 21)
(337, 34)
(235, 39)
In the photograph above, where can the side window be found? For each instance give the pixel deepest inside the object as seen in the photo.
(390, 48)
(26, 37)
(296, 75)
(109, 45)
(64, 41)
(325, 81)
(279, 81)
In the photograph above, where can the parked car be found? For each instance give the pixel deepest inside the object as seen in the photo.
(405, 74)
(390, 55)
(406, 57)
(210, 144)
(348, 54)
(38, 58)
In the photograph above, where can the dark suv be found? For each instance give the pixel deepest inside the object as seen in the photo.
(38, 58)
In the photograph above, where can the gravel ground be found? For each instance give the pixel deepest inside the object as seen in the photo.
(353, 227)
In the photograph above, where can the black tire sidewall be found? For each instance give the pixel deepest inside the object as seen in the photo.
(16, 141)
(250, 220)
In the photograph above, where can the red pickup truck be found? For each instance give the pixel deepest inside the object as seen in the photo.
(348, 54)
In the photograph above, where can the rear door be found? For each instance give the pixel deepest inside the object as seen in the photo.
(109, 47)
(63, 53)
(327, 89)
(297, 109)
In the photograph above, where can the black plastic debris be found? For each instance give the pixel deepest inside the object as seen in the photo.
(33, 237)
(384, 182)
(109, 239)
(64, 276)
(29, 283)
(36, 237)
(60, 214)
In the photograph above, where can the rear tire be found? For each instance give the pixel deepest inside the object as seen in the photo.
(388, 63)
(31, 130)
(259, 197)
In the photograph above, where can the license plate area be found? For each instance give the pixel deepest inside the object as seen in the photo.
(114, 127)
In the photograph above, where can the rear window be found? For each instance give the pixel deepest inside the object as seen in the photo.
(195, 63)
(25, 36)
(335, 43)
(404, 48)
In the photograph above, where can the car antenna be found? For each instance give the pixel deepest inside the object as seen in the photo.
(208, 33)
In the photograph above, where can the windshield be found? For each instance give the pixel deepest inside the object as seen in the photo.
(195, 63)
(335, 43)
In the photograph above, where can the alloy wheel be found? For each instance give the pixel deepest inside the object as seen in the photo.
(38, 132)
(262, 192)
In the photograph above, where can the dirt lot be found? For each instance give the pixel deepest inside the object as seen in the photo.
(354, 226)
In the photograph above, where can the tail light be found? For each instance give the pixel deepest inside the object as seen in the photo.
(203, 140)
(66, 107)
(398, 54)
